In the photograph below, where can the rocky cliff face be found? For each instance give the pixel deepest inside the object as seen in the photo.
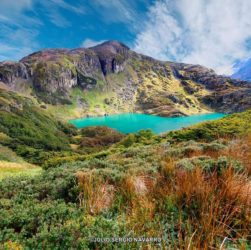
(11, 71)
(226, 94)
(112, 56)
(122, 80)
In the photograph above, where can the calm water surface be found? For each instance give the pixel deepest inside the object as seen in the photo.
(130, 122)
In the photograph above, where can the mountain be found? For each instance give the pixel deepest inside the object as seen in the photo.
(243, 70)
(111, 78)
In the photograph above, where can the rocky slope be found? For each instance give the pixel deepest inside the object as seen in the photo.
(111, 78)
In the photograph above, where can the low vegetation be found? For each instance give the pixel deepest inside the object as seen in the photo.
(189, 187)
(29, 130)
(229, 127)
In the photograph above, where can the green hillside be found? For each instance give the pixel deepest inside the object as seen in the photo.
(189, 187)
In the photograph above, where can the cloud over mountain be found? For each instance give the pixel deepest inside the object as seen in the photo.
(213, 33)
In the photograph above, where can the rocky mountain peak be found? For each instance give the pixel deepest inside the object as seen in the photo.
(112, 46)
(112, 56)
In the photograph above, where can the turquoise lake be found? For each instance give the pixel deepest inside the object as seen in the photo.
(131, 122)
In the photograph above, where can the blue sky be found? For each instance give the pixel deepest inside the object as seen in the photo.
(215, 33)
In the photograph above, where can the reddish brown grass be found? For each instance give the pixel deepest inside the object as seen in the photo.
(138, 203)
(97, 195)
(212, 208)
(241, 151)
(215, 206)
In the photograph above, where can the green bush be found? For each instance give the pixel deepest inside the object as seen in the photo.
(99, 137)
(230, 126)
(210, 165)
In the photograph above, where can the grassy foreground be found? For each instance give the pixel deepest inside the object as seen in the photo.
(190, 187)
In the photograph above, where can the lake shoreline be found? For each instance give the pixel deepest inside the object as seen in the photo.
(137, 112)
(133, 122)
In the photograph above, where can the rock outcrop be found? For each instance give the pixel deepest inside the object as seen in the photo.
(11, 71)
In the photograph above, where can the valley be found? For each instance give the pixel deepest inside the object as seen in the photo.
(186, 181)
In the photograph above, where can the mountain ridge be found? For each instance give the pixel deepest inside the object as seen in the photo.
(111, 78)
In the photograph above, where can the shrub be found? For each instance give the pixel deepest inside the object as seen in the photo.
(230, 126)
(210, 165)
(96, 137)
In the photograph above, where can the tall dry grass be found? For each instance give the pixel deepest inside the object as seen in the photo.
(206, 210)
(96, 194)
(139, 205)
(240, 150)
(211, 207)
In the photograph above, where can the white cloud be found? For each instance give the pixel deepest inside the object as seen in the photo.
(70, 7)
(18, 30)
(52, 8)
(212, 33)
(115, 10)
(129, 12)
(13, 52)
(57, 19)
(13, 12)
(8, 6)
(87, 43)
(15, 44)
(20, 23)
